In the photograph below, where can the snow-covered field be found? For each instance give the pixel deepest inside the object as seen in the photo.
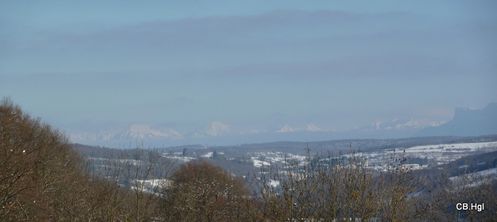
(274, 183)
(151, 185)
(122, 161)
(456, 148)
(434, 154)
(155, 182)
(260, 159)
(263, 162)
(208, 155)
(475, 179)
(419, 157)
(178, 156)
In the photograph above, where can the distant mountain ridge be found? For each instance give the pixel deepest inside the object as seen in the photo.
(467, 122)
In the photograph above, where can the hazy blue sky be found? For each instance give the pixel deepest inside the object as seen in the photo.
(198, 69)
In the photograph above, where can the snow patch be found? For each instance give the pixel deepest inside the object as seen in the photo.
(208, 155)
(260, 163)
(274, 183)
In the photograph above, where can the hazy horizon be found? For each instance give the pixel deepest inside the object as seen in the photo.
(225, 72)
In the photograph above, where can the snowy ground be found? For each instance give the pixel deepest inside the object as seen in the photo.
(420, 156)
(474, 179)
(435, 154)
(178, 156)
(151, 185)
(122, 161)
(260, 159)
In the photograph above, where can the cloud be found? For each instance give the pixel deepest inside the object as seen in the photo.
(347, 66)
(198, 37)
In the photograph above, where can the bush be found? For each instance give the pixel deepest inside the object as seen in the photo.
(203, 192)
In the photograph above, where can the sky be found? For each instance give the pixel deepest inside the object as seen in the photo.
(220, 72)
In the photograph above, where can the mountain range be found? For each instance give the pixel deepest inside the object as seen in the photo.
(466, 122)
